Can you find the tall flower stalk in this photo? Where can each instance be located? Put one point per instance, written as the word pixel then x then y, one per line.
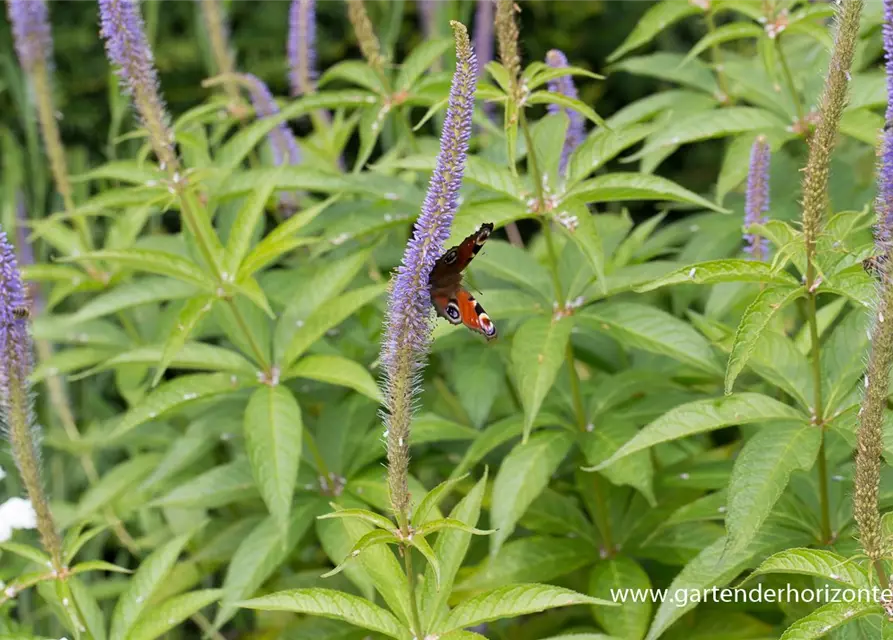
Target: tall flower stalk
pixel 509 54
pixel 407 332
pixel 815 203
pixel 366 38
pixel 302 47
pixel 16 407
pixel 407 339
pixel 756 201
pixel 128 48
pixel 218 34
pixel 483 33
pixel 576 131
pixel 34 49
pixel 871 416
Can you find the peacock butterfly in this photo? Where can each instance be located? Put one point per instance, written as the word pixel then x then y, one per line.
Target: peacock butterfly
pixel 453 301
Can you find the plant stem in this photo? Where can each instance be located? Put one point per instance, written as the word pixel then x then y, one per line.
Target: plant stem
pixel 601 516
pixel 716 58
pixel 321 467
pixel 818 402
pixel 789 80
pixel 411 583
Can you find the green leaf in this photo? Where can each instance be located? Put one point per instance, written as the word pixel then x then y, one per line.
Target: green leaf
pixel 451 547
pixel 326 316
pixel 645 327
pixel 630 620
pixel 529 559
pixel 419 542
pixel 450 523
pixel 726 270
pixel 666 66
pixel 524 473
pixel 553 97
pixel 273 436
pixel 282 239
pixel 723 34
pixel 618 187
pixel 97 565
pixel 336 370
pixel 261 553
pixel 513 601
pixel 372 539
pixel 163 617
pixel 818 623
pixel 706 415
pixel 190 315
pixel 145 582
pixel 761 473
pixel 115 482
pixel 375 519
pixel 656 19
pixel 586 236
pixel 191 355
pixel 357 72
pixel 433 498
pixel 820 563
pixel 247 219
pixel 219 486
pixel 843 358
pixel 607 436
pixel 133 294
pixel 27 552
pixel 419 60
pixel 602 146
pixel 174 394
pixel 754 322
pixel 332 604
pixel 717 123
pixel 158 262
pixel 538 351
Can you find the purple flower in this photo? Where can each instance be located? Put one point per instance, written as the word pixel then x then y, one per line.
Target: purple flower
pixel 483 33
pixel 15 341
pixel 428 12
pixel 282 140
pixel 31 31
pixel 302 46
pixel 121 26
pixel 565 86
pixel 757 197
pixel 884 201
pixel 407 332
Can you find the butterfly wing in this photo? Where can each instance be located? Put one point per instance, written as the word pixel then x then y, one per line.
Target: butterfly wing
pixel 447 272
pixel 472 314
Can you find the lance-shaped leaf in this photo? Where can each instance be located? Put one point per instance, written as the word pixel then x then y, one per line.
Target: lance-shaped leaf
pixel 375 519
pixel 433 498
pixel 706 415
pixel 242 231
pixel 332 604
pixel 619 187
pixel 753 323
pixel 760 475
pixel 337 370
pixel 830 616
pixel 273 436
pixel 726 270
pixel 658 17
pixel 163 617
pixel 513 601
pixel 419 542
pixel 538 351
pixel 820 563
pixel 152 261
pixel 371 539
pixel 450 523
pixel 190 315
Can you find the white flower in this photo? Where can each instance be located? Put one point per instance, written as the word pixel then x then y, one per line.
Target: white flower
pixel 5 531
pixel 2 473
pixel 17 513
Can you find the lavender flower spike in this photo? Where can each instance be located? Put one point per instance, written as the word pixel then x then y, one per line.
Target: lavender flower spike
pixel 128 49
pixel 31 32
pixel 302 46
pixel 757 198
pixel 407 332
pixel 483 33
pixel 16 410
pixel 884 201
pixel 564 85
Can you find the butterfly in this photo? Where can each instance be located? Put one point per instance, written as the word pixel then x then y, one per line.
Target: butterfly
pixel 450 299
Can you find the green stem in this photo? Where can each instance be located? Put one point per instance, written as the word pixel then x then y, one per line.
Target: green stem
pixel 881 572
pixel 603 522
pixel 789 80
pixel 716 58
pixel 321 467
pixel 262 359
pixel 818 401
pixel 411 583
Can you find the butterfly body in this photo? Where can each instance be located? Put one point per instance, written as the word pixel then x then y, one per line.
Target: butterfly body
pixel 450 299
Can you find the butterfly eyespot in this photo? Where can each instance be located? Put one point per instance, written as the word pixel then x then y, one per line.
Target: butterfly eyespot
pixel 450 256
pixel 452 310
